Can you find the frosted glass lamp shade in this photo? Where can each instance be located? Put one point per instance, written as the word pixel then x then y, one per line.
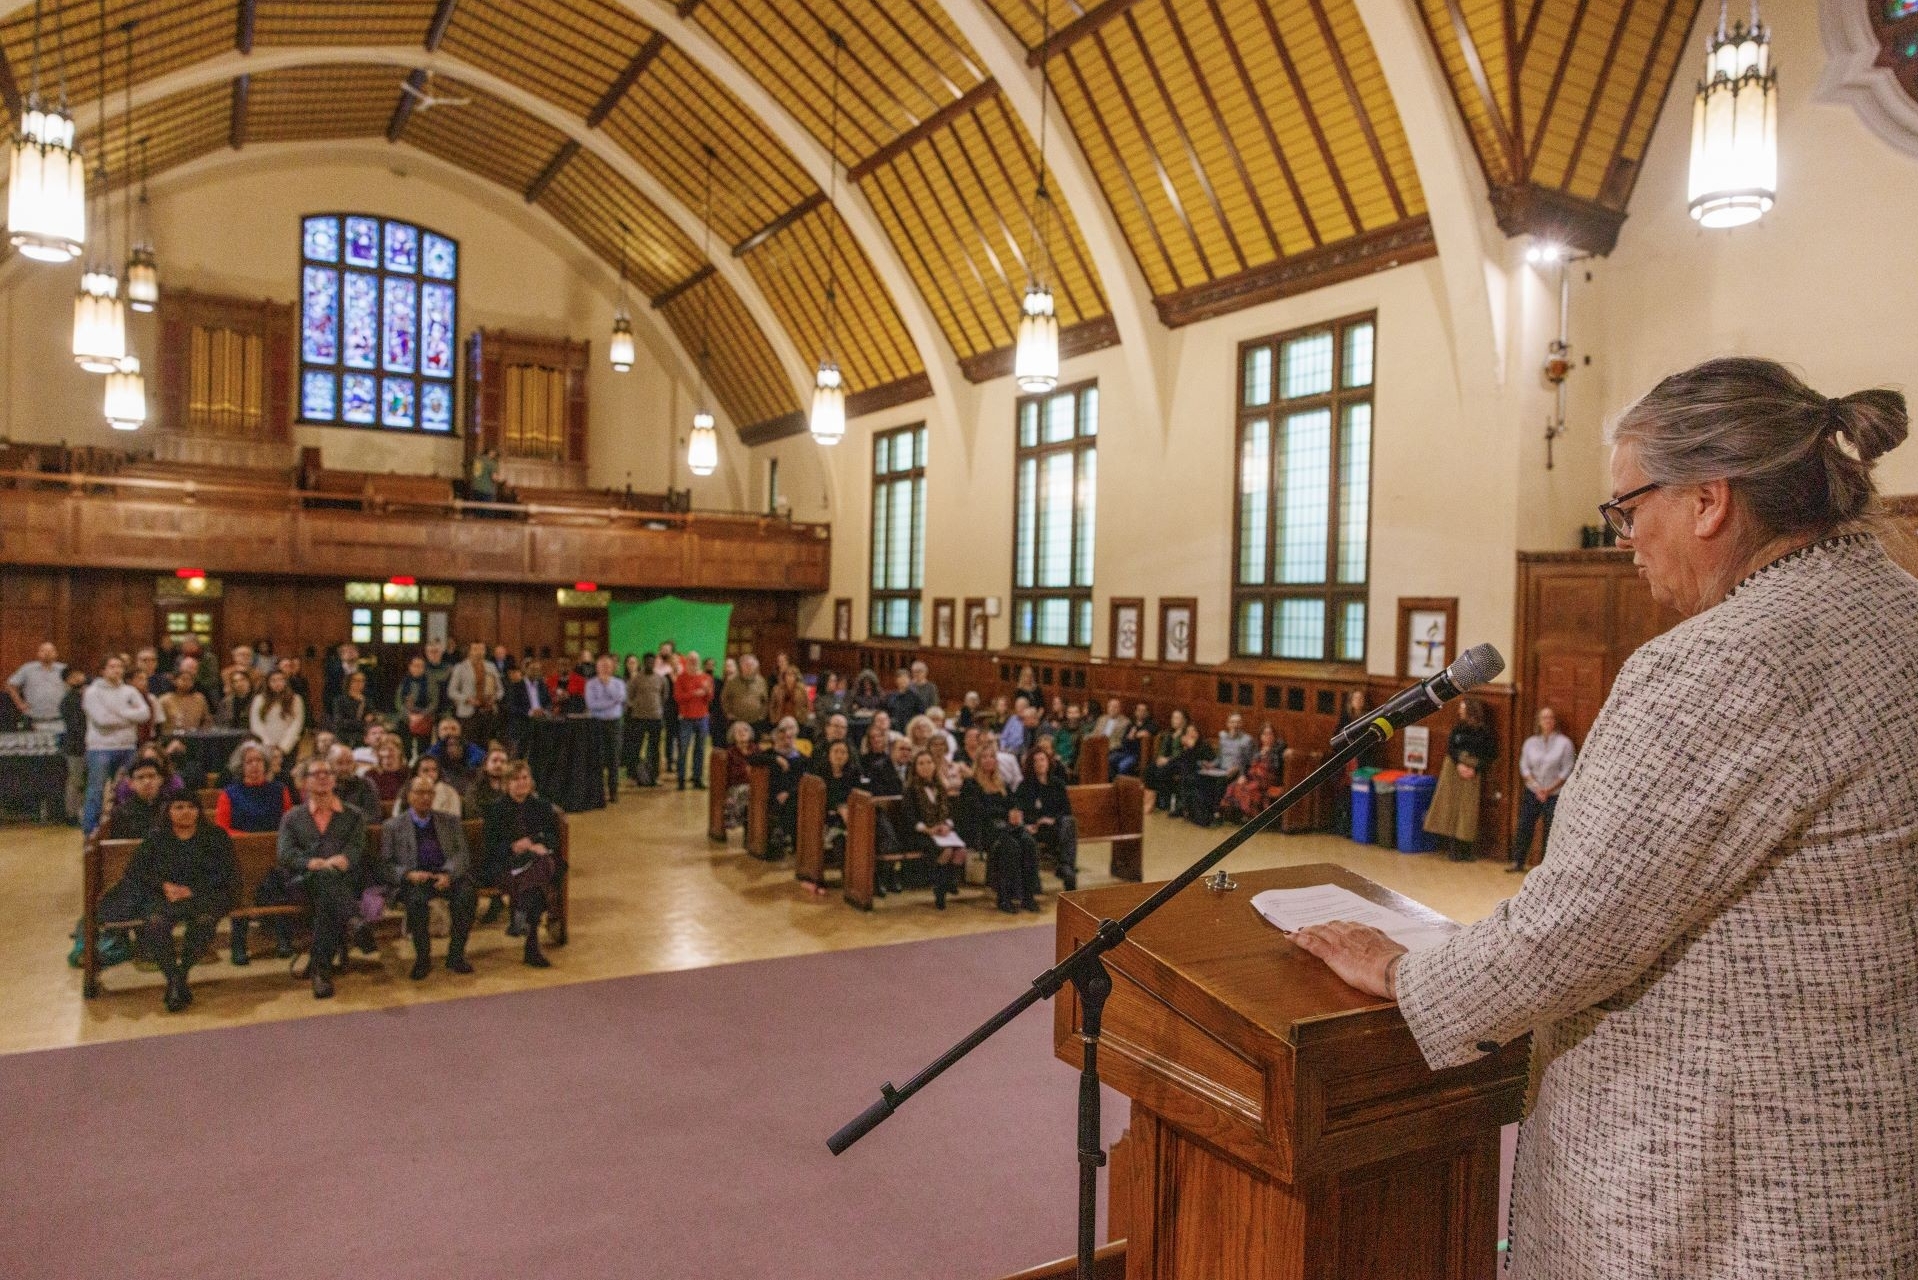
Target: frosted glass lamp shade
pixel 621 346
pixel 46 189
pixel 1035 361
pixel 702 448
pixel 99 323
pixel 1734 168
pixel 127 396
pixel 143 280
pixel 828 419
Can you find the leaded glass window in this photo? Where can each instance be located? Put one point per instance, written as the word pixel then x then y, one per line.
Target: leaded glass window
pixel 1304 493
pixel 1056 485
pixel 898 532
pixel 379 323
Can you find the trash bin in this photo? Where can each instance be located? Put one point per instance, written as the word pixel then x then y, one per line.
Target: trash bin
pixel 1362 804
pixel 1385 814
pixel 1414 798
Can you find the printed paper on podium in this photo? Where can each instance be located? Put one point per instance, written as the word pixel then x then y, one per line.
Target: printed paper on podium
pixel 1294 909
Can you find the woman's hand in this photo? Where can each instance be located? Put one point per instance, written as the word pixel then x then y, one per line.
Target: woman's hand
pixel 175 892
pixel 522 844
pixel 1358 953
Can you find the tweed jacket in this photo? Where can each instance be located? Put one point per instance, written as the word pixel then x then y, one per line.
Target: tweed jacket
pixel 1718 958
pixel 400 849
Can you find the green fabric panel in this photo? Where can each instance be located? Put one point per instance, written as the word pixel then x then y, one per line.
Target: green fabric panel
pixel 691 625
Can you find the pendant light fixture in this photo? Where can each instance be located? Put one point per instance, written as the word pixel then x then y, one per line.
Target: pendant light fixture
pixel 620 348
pixel 702 446
pixel 143 269
pixel 1734 172
pixel 126 400
pixel 1035 359
pixel 828 419
pixel 46 176
pixel 99 317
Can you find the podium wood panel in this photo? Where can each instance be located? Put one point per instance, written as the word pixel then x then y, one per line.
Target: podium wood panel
pixel 1284 1125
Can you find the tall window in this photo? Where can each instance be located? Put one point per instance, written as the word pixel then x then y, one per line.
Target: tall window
pixel 1056 466
pixel 898 531
pixel 1305 493
pixel 379 317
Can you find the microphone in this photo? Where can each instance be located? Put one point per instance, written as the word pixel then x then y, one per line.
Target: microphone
pixel 1472 668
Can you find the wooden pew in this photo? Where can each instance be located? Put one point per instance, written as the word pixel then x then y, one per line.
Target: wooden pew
pixel 809 845
pixel 1113 813
pixel 862 846
pixel 104 862
pixel 718 779
pixel 1095 758
pixel 1312 812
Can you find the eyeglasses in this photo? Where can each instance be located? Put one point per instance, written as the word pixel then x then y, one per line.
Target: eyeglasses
pixel 1615 514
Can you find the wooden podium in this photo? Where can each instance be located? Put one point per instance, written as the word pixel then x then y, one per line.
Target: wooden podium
pixel 1284 1125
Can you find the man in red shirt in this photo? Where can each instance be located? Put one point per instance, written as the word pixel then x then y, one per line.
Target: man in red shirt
pixel 693 694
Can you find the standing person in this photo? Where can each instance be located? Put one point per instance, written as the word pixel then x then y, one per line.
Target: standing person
pixel 183 708
pixel 606 707
pixel 922 686
pixel 527 699
pixel 423 853
pixel 1715 963
pixel 115 710
pixel 1544 763
pixel 37 687
pixel 743 696
pixel 349 709
pixel 1353 708
pixel 322 848
pixel 184 873
pixel 474 689
pixel 439 666
pixel 73 741
pixel 645 714
pixel 666 667
pixel 693 697
pixel 278 715
pixel 1469 750
pixel 236 706
pixel 788 699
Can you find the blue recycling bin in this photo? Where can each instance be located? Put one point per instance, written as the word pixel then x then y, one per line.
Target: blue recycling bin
pixel 1414 796
pixel 1362 804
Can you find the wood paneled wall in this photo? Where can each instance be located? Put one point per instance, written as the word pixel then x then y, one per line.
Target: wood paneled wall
pixel 1580 615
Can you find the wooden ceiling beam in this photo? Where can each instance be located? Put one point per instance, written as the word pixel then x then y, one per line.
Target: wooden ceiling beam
pixel 442 19
pixel 959 106
pixel 561 158
pixel 685 8
pixel 691 282
pixel 627 79
pixel 404 111
pixel 1348 259
pixel 1468 50
pixel 1078 29
pixel 236 124
pixel 246 24
pixel 779 224
pixel 1074 340
pixel 9 88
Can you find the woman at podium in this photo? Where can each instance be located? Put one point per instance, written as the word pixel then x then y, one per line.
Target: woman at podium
pixel 1718 962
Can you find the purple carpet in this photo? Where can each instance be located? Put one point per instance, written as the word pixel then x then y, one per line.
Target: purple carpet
pixel 666 1126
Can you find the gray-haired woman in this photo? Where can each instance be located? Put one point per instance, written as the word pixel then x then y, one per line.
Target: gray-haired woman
pixel 1716 962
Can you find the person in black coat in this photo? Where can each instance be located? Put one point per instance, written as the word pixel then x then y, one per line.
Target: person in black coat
pixel 349 708
pixel 842 777
pixel 520 854
pixel 786 767
pixel 184 873
pixel 1047 810
pixel 990 819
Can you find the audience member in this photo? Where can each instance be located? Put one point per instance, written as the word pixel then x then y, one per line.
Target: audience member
pixel 944 767
pixel 528 698
pixel 488 785
pixel 1012 736
pixel 1192 757
pixel 739 764
pixel 1047 809
pixel 645 721
pixel 37 687
pixel 937 715
pixel 606 706
pixel 337 670
pixel 1066 737
pixel 927 811
pixel 236 705
pixel 349 709
pixel 278 715
pixel 667 667
pixel 322 849
pixel 473 687
pixel 969 710
pixel 143 806
pixel 1470 748
pixel 786 766
pixel 1114 726
pixel 446 797
pixel 366 754
pixel 745 696
pixel 990 821
pixel 830 699
pixel 836 728
pixel 521 838
pixel 1264 777
pixel 416 702
pixel 1206 786
pixel 184 873
pixel 439 666
pixel 183 708
pixel 1159 777
pixel 115 711
pixel 692 695
pixel 170 781
pixel 457 757
pixel 73 740
pixel 891 774
pixel 876 749
pixel 922 686
pixel 423 853
pixel 1544 763
pixel 290 668
pixel 389 774
pixel 866 697
pixel 354 791
pixel 835 764
pixel 903 704
pixel 1027 688
pixel 789 699
pixel 1137 748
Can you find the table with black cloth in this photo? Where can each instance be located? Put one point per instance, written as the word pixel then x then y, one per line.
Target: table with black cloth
pixel 568 770
pixel 33 773
pixel 210 749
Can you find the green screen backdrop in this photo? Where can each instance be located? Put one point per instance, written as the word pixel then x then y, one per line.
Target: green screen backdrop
pixel 689 624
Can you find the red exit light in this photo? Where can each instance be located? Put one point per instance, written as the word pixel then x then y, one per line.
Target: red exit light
pixel 585 586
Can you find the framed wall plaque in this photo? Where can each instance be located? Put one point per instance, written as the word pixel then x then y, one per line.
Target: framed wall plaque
pixel 976 623
pixel 1126 637
pixel 1178 629
pixel 1427 627
pixel 842 618
pixel 942 633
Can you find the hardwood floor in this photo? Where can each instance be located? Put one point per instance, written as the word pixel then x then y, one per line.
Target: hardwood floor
pixel 649 894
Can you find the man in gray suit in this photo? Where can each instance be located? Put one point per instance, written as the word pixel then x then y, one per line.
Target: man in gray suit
pixel 424 852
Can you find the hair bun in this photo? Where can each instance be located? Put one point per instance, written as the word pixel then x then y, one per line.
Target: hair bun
pixel 1874 421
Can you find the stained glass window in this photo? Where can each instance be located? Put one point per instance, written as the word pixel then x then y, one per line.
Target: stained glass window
pixel 1056 484
pixel 379 323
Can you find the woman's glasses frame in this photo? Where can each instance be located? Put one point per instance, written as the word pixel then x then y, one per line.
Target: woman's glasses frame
pixel 1614 513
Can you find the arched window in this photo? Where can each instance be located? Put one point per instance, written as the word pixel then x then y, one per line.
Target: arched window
pixel 379 323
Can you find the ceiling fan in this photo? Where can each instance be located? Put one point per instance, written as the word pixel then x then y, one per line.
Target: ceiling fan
pixel 427 101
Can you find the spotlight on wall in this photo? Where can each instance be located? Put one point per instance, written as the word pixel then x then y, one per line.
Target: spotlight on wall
pixel 1545 254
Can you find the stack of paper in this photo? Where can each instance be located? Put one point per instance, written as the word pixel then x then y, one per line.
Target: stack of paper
pixel 1294 909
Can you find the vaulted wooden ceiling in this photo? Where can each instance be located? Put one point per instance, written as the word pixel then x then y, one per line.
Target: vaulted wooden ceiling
pixel 1246 149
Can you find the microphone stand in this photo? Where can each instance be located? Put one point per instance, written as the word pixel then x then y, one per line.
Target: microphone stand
pixel 1086 971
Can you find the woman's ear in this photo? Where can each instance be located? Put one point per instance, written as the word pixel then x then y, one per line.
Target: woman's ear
pixel 1711 508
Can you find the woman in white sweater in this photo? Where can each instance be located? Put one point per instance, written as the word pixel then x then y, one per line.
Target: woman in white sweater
pixel 279 715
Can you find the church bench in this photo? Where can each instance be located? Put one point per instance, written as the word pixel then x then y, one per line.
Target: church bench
pixel 759 783
pixel 104 862
pixel 809 843
pixel 1095 757
pixel 862 845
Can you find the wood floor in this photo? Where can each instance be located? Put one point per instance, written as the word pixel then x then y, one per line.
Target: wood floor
pixel 649 894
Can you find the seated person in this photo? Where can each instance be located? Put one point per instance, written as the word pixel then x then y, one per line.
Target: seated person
pixel 1066 737
pixel 937 715
pixel 1113 726
pixel 366 756
pixel 458 758
pixel 521 856
pixel 1042 800
pixel 926 812
pixel 944 767
pixel 321 853
pixel 835 729
pixel 423 853
pixel 786 766
pixel 1136 747
pixel 144 807
pixel 171 784
pixel 990 820
pixel 389 774
pixel 255 801
pixel 1157 765
pixel 352 788
pixel 1262 780
pixel 842 776
pixel 971 711
pixel 1206 787
pixel 876 749
pixel 488 785
pixel 830 701
pixel 445 798
pixel 1191 756
pixel 892 772
pixel 902 704
pixel 184 767
pixel 740 750
pixel 183 873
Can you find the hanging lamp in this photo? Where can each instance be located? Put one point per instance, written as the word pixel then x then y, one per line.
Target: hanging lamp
pixel 1035 358
pixel 46 176
pixel 702 446
pixel 827 421
pixel 99 316
pixel 1734 170
pixel 620 347
pixel 143 268
pixel 126 398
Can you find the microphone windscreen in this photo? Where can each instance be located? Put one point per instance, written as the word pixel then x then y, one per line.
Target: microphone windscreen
pixel 1475 666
